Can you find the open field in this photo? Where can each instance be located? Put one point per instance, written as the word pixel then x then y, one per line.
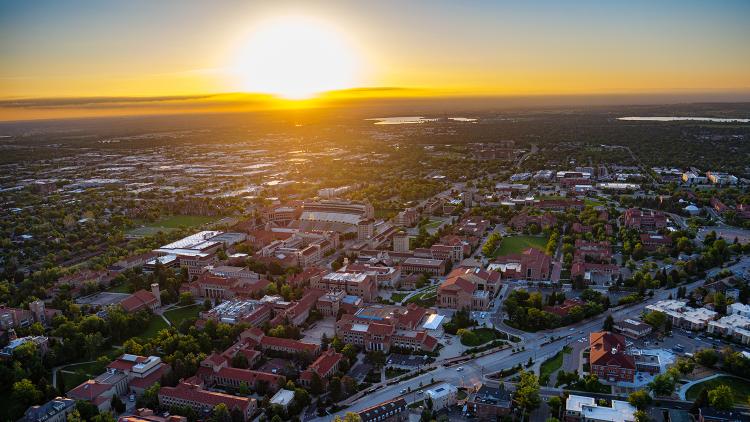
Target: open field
pixel 176 316
pixel 740 388
pixel 170 223
pixel 517 244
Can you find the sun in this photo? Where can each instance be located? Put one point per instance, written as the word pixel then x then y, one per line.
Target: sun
pixel 295 58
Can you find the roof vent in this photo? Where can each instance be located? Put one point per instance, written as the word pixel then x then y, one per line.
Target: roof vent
pixel 614 350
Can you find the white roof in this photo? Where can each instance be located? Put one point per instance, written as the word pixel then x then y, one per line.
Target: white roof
pixel 283 397
pixel 433 322
pixel 440 390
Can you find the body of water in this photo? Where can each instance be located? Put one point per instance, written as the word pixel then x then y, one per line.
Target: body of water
pixel 677 119
pixel 409 120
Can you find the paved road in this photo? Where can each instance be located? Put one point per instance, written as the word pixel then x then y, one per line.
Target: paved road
pixel 473 372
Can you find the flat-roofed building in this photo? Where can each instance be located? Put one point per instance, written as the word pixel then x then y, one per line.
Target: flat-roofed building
pixel 358 284
pixel 586 409
pixel 55 410
pixel 435 267
pixel 683 316
pixel 632 328
pixel 442 395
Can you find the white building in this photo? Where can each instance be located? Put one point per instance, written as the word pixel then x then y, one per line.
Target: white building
pixel 683 316
pixel 585 409
pixel 442 395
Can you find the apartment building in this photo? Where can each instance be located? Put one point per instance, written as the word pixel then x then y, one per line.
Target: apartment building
pixel 683 316
pixel 434 267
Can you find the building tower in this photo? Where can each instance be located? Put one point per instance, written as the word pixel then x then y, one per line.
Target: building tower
pixel 37 308
pixel 155 291
pixel 401 242
pixel 365 230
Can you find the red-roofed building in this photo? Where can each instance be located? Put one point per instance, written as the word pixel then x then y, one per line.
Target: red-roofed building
pixel 141 300
pixel 286 345
pixel 531 264
pixel 381 334
pixel 652 242
pixel 325 366
pixel 215 370
pixel 646 220
pixel 306 276
pixel 608 358
pixel 299 311
pixel 148 415
pixel 212 286
pixel 563 309
pixel 200 400
pixel 523 220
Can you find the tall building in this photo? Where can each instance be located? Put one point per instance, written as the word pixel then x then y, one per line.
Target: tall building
pixel 401 242
pixel 365 230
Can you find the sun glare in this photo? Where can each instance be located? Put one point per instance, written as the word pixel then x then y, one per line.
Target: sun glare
pixel 295 58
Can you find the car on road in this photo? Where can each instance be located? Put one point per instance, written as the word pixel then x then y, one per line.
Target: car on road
pixel 459 369
pixel 403 391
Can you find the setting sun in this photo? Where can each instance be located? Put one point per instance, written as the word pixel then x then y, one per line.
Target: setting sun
pixel 295 58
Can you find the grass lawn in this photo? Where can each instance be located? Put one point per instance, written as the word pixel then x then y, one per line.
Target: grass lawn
pixel 172 223
pixel 517 244
pixel 426 298
pixel 122 288
pixel 433 224
pixel 176 316
pixel 551 365
pixel 394 372
pixel 483 335
pixel 740 388
pixel 592 202
pixel 154 326
pixel 398 297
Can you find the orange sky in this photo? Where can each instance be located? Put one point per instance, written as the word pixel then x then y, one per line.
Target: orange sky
pixel 296 49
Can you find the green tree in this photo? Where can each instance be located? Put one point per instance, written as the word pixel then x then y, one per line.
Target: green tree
pixel 609 323
pixel 117 404
pixel 25 393
pixel 721 398
pixel 348 417
pixel 662 384
pixel 555 406
pixel 221 413
pixel 707 357
pixel 527 392
pixel 685 366
pixel 640 399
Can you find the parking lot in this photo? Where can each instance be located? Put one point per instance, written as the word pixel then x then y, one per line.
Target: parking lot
pixel 102 299
pixel 326 325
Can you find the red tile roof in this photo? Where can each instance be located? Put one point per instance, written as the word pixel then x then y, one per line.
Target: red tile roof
pixel 137 301
pixel 187 392
pixel 608 349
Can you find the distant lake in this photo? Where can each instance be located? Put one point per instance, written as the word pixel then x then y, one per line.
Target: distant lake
pixel 409 120
pixel 676 119
pixel 405 120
